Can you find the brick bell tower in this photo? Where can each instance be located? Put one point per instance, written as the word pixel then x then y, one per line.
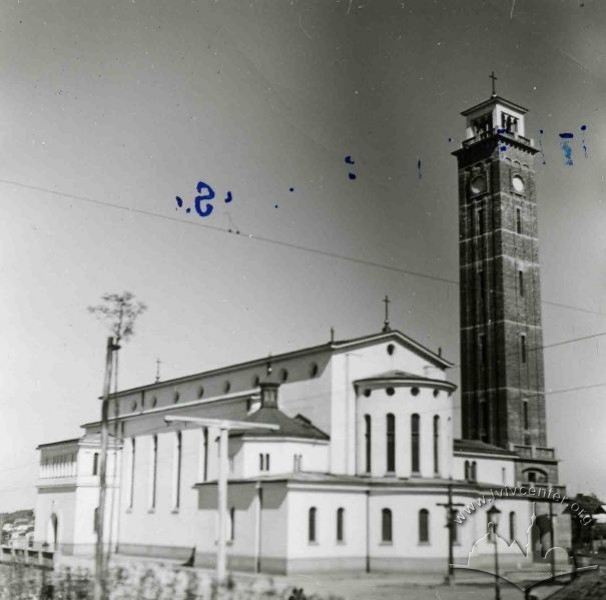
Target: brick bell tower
pixel 502 378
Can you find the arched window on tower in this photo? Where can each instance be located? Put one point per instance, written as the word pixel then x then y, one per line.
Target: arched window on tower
pixel 415 422
pixel 367 443
pixel 391 442
pixel 467 471
pixel 436 445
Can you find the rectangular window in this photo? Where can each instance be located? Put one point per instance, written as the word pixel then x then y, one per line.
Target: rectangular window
pixel 518 220
pixel 177 471
pixel 521 282
pixel 261 462
pixel 367 442
pixel 525 414
pixel 523 347
pixel 205 454
pixel 415 443
pixel 153 472
pixel 391 443
pixel 133 456
pixel 267 462
pixel 481 229
pixel 96 463
pixel 483 350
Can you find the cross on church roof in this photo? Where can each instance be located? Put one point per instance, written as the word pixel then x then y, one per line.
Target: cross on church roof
pixel 494 87
pixel 386 326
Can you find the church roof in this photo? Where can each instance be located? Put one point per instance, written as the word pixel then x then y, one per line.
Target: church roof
pixel 333 346
pixel 299 427
pixel 478 447
pixel 397 375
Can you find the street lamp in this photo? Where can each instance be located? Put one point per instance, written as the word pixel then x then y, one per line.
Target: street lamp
pixel 224 426
pixel 493 518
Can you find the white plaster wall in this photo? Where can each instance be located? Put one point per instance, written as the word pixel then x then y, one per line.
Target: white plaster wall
pixel 165 525
pixel 281 452
pixel 403 405
pixel 488 470
pixel 347 367
pixel 327 503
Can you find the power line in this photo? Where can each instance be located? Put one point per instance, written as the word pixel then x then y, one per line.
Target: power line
pixel 268 240
pixel 553 345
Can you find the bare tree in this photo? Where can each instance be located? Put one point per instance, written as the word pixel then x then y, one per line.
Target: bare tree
pixel 119 312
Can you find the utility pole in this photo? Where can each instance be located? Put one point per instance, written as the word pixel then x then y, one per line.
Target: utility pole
pixel 450 524
pixel 100 574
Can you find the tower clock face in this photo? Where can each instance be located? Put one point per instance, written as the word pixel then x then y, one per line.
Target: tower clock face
pixel 518 184
pixel 478 184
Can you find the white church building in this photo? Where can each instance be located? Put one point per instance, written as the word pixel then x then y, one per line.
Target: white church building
pixel 363 464
pixel 354 478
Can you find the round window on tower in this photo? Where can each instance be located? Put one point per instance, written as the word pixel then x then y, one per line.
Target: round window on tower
pixel 518 184
pixel 478 184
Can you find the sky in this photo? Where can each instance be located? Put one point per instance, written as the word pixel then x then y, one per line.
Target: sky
pixel 111 110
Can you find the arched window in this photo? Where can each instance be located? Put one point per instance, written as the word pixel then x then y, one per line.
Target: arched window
pixel 436 444
pixel 473 475
pixel 423 526
pixel 232 524
pixel 391 442
pixel 467 472
pixel 415 422
pixel 386 526
pixel 311 524
pixel 512 526
pixel 340 524
pixel 367 442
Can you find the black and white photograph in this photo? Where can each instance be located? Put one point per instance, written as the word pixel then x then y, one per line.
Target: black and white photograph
pixel 303 300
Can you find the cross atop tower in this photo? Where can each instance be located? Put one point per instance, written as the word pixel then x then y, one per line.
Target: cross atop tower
pixel 158 363
pixel 494 87
pixel 386 326
pixel 269 367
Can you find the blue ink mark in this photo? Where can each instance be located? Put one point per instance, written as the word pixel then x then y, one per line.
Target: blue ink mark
pixel 350 161
pixel 449 140
pixel 541 146
pixel 179 202
pixel 188 210
pixel 290 190
pixel 583 145
pixel 502 148
pixel 228 198
pixel 210 194
pixel 276 206
pixel 419 168
pixel 566 148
